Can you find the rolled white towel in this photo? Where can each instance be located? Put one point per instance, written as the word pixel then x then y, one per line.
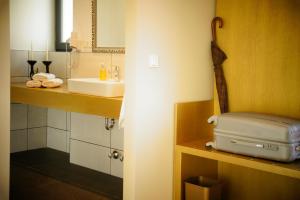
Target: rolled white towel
pixel 56 82
pixel 33 84
pixel 43 76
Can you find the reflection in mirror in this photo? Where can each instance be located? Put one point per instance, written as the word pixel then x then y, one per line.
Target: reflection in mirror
pixel 108 26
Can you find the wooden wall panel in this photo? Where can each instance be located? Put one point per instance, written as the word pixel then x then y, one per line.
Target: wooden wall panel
pixel 248 184
pixel 261 40
pixel 191 121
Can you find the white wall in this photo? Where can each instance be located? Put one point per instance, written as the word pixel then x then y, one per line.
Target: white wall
pixel 178 32
pixel 32 20
pixel 4 100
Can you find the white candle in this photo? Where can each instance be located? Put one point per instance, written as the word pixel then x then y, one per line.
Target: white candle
pixel 47 51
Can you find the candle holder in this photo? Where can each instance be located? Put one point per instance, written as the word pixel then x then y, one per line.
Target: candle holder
pixel 47 64
pixel 31 63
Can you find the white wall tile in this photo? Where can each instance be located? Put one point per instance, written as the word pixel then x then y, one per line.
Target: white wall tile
pixel 20 79
pixel 90 156
pixel 117 137
pixel 68 121
pixel 37 116
pixel 59 63
pixel 57 139
pixel 18 140
pixel 20 67
pixel 18 116
pixel 68 141
pixel 117 165
pixel 88 64
pixel 119 60
pixel 18 61
pixel 89 128
pixel 39 56
pixel 37 138
pixel 69 65
pixel 57 119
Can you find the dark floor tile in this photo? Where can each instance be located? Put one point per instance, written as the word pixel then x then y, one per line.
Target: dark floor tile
pixel 26 184
pixel 55 164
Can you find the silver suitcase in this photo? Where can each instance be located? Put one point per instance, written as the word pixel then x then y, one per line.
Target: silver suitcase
pixel 257 135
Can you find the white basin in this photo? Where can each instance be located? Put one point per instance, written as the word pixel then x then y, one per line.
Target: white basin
pixel 94 86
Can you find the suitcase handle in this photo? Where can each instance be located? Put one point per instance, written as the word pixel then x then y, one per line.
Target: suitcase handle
pixel 249 144
pixel 213 120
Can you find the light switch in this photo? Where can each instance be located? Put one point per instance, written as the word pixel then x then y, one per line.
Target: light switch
pixel 153 61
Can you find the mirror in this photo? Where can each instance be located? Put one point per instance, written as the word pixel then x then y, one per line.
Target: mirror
pixel 108 26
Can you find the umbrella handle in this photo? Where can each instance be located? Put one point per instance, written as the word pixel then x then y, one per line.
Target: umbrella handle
pixel 213 26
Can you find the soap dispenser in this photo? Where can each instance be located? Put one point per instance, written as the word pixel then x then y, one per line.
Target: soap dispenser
pixel 116 73
pixel 102 72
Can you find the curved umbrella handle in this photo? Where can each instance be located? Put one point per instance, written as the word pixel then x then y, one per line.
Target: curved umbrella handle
pixel 213 26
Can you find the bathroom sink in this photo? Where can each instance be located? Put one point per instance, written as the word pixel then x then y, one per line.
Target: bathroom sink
pixel 94 86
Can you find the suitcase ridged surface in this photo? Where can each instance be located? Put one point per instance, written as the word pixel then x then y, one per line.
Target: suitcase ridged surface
pixel 258 135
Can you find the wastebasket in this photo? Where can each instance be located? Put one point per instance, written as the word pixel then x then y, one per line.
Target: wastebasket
pixel 202 188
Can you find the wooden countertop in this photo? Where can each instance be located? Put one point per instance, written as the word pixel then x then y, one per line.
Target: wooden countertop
pixel 61 98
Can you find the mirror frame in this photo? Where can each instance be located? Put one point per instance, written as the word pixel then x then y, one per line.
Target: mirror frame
pixel 117 50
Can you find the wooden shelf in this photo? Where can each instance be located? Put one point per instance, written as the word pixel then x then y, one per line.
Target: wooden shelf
pixel 61 98
pixel 197 148
pixel 243 177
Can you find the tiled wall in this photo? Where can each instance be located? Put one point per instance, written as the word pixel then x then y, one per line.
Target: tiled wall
pixel 60 65
pixel 84 136
pixel 58 130
pixel 88 64
pixel 26 120
pixel 64 64
pixel 91 144
pixel 28 127
pixel 33 127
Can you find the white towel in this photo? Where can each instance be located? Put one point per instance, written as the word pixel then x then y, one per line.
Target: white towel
pixel 43 76
pixel 122 114
pixel 56 82
pixel 33 84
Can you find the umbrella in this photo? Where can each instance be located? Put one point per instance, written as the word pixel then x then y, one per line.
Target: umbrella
pixel 218 57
